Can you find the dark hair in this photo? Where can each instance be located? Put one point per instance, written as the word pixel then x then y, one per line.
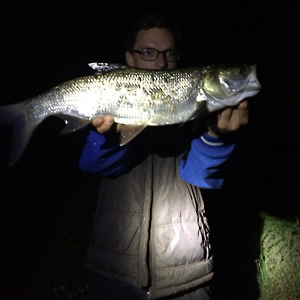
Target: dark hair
pixel 151 20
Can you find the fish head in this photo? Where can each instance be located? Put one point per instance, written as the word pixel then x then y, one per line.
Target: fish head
pixel 229 85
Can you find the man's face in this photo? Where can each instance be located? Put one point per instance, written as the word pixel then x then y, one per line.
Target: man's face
pixel 155 38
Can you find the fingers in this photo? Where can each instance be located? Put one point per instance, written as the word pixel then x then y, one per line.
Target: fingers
pixel 103 124
pixel 224 118
pixel 232 119
pixel 229 119
pixel 243 109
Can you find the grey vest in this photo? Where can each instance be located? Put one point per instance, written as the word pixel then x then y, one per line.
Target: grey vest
pixel 151 230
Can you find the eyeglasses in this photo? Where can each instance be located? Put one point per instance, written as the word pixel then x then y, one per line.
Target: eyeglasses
pixel 152 54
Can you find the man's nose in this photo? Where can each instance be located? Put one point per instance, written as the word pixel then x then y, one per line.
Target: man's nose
pixel 161 61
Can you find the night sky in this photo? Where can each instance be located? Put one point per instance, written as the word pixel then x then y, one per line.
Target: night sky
pixel 44 43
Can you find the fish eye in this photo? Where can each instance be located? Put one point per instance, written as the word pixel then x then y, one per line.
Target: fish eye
pixel 241 70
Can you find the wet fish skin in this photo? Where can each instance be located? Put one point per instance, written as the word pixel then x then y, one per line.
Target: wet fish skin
pixel 134 97
pixel 131 96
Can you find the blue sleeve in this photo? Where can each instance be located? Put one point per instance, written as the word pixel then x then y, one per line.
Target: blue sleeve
pixel 202 164
pixel 102 154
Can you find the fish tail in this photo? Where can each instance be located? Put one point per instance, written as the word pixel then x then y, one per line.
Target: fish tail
pixel 13 115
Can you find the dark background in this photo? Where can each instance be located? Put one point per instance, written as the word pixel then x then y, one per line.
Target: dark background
pixel 44 43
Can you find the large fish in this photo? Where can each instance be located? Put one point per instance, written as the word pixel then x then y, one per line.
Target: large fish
pixel 134 97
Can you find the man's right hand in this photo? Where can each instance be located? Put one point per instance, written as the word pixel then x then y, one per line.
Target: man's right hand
pixel 105 124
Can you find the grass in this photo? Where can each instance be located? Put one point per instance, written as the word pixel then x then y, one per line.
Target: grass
pixel 279 262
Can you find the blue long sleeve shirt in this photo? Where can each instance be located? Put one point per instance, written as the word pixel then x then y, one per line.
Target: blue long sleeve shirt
pixel 200 165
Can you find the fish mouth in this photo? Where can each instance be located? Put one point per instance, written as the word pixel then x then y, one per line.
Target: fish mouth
pixel 253 82
pixel 254 85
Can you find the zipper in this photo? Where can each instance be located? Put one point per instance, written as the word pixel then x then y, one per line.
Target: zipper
pixel 146 227
pixel 151 292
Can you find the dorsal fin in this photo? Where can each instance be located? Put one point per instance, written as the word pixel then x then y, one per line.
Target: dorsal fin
pixel 105 67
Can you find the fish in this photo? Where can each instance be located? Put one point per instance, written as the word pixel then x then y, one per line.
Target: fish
pixel 136 98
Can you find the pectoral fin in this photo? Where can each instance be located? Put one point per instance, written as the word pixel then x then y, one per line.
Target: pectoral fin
pixel 129 132
pixel 198 113
pixel 72 123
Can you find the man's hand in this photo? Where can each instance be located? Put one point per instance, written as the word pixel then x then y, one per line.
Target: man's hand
pixel 229 119
pixel 105 124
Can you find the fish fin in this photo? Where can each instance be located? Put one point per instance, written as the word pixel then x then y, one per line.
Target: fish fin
pixel 201 111
pixel 72 123
pixel 13 115
pixel 9 113
pixel 105 67
pixel 129 132
pixel 21 135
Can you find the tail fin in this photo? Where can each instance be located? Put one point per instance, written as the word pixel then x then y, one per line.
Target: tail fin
pixel 13 115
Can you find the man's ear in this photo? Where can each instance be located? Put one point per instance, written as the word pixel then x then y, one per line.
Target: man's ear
pixel 129 59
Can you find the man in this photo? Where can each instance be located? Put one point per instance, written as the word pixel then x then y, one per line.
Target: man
pixel 151 237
